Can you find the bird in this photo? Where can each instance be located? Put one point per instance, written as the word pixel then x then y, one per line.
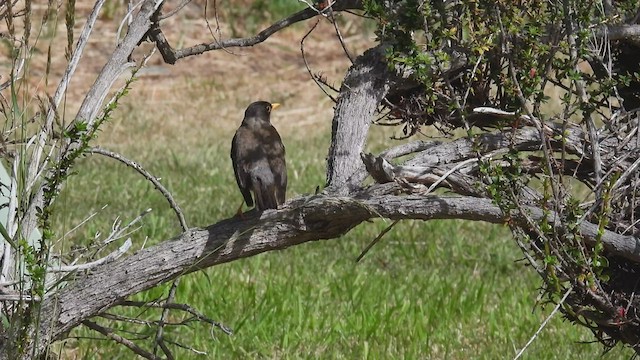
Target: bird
pixel 258 158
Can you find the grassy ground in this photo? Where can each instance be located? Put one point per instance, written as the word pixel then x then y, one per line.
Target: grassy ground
pixel 441 289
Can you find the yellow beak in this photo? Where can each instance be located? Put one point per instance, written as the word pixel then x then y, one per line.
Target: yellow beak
pixel 275 106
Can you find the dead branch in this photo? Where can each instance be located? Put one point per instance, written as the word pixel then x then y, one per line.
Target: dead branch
pixel 344 204
pixel 306 63
pixel 311 218
pixel 367 82
pixel 112 256
pixel 159 338
pixel 182 307
pixel 110 334
pixel 171 55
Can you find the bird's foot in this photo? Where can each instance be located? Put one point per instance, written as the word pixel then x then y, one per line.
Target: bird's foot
pixel 239 213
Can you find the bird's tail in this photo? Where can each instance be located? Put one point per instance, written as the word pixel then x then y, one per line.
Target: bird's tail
pixel 264 190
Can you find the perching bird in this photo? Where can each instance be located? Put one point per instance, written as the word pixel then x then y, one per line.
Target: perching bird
pixel 257 154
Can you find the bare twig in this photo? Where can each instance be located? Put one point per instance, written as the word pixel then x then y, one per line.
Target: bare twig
pixel 458 166
pixel 117 231
pixel 159 339
pixel 110 334
pixel 172 203
pixel 195 351
pixel 584 100
pixel 80 224
pixel 182 307
pixel 375 241
pixel 340 38
pixel 115 317
pixel 170 55
pixel 206 20
pixel 544 323
pixel 174 11
pixel 306 63
pixel 166 350
pixel 112 256
pixel 126 20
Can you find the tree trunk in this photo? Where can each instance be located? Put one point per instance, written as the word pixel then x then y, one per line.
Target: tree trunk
pixel 365 85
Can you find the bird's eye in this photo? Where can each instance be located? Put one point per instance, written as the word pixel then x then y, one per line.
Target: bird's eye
pixel 268 109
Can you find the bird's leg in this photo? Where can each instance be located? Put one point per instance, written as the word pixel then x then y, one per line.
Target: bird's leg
pixel 239 212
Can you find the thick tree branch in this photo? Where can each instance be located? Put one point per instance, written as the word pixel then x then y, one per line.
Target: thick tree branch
pixel 367 82
pixel 624 32
pixel 117 63
pixel 304 219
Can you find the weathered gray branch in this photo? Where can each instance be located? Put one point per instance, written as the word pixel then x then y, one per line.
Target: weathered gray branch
pixel 92 103
pixel 367 82
pixel 304 219
pixel 117 63
pixel 624 32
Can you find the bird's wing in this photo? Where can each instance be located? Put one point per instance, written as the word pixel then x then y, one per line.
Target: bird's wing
pixel 241 146
pixel 277 163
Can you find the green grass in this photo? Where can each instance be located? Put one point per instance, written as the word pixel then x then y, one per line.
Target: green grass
pixel 439 289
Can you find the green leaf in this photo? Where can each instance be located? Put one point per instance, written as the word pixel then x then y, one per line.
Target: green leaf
pixel 6 236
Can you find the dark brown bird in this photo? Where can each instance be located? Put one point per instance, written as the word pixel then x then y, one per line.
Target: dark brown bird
pixel 257 154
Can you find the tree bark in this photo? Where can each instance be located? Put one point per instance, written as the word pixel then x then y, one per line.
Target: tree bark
pixel 367 82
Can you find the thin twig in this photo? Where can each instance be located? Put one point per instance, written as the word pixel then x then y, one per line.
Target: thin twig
pixel 118 232
pixel 166 350
pixel 584 99
pixel 80 224
pixel 182 307
pixel 199 352
pixel 375 241
pixel 340 38
pixel 174 11
pixel 215 16
pixel 110 334
pixel 115 317
pixel 460 165
pixel 624 177
pixel 161 322
pixel 306 64
pixel 126 19
pixel 544 323
pixel 148 176
pixel 112 256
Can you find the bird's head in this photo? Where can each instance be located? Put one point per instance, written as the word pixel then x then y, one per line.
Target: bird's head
pixel 260 109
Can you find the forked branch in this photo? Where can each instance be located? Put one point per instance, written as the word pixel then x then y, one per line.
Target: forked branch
pixel 171 55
